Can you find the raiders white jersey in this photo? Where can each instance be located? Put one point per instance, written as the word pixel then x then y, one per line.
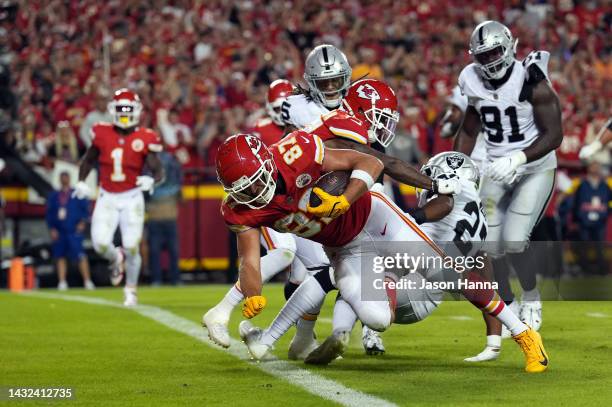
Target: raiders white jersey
pixel 463 231
pixel 299 111
pixel 458 99
pixel 507 120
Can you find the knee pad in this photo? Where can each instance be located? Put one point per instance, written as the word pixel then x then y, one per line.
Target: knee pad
pixel 131 251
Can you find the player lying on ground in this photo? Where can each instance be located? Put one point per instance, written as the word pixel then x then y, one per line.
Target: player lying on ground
pixel 121 150
pixel 514 103
pixel 344 224
pixel 283 249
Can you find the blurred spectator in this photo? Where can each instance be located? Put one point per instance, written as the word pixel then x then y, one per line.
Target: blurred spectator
pixel 162 211
pixel 591 206
pixel 67 219
pixel 65 144
pixel 99 114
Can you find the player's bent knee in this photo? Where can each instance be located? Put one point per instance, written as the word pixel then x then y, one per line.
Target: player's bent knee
pixel 374 317
pixel 514 247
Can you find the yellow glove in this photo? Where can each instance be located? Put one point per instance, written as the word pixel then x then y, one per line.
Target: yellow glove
pixel 253 306
pixel 331 206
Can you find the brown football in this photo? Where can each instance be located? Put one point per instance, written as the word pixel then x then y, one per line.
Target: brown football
pixel 333 183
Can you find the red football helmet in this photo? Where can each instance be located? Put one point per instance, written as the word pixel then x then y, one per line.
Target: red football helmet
pixel 374 101
pixel 279 90
pixel 125 108
pixel 246 169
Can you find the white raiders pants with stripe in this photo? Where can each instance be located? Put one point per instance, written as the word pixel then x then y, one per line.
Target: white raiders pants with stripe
pixel 514 210
pixel 386 223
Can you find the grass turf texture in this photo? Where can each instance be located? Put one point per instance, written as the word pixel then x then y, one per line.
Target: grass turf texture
pixel 114 356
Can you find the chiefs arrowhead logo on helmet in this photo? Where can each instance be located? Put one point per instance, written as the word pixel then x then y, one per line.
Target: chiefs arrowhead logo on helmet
pixel 367 91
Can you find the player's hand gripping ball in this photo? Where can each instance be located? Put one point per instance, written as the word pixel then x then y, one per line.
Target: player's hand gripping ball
pixel 327 199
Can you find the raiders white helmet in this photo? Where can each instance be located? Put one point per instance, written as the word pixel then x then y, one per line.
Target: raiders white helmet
pixel 493 49
pixel 451 164
pixel 328 75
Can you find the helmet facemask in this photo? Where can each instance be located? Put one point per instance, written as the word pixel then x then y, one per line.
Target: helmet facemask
pixel 125 113
pixel 274 111
pixel 493 63
pixel 383 123
pixel 331 90
pixel 257 190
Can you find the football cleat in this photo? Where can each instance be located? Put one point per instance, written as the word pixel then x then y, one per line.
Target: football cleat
pixel 118 268
pixel 536 358
pixel 488 354
pixel 216 325
pixel 531 314
pixel 251 336
pixel 515 308
pixel 130 299
pixel 372 342
pixel 332 348
pixel 301 346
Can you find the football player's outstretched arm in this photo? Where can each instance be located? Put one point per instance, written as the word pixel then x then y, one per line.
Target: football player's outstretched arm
pixel 393 167
pixel 547 117
pixel 359 163
pixel 88 162
pixel 250 272
pixel 468 132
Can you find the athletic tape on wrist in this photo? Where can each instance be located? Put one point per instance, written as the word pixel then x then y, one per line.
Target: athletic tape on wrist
pixel 364 176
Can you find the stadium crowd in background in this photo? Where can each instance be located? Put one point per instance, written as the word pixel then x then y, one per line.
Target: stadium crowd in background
pixel 202 68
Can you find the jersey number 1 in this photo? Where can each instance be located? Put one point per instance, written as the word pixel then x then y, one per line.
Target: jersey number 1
pixel 117 157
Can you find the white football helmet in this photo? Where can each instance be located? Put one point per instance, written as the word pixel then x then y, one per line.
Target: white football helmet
pixel 493 49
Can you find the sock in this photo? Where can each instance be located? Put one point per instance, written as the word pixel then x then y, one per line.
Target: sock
pixel 231 299
pixel 305 325
pixel 531 295
pixel 307 299
pixel 489 301
pixel 494 341
pixel 391 294
pixel 344 317
pixel 274 262
pixel 133 261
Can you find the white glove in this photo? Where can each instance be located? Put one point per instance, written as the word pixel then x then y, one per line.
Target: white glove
pixel 504 169
pixel 446 186
pixel 81 190
pixel 590 150
pixel 145 182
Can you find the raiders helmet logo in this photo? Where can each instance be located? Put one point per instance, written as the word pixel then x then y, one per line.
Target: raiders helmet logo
pixel 454 161
pixel 302 180
pixel 137 145
pixel 367 91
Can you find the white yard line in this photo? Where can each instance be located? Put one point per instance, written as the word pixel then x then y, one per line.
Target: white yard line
pixel 596 315
pixel 460 317
pixel 305 379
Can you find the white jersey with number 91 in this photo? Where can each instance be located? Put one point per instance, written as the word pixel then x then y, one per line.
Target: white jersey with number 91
pixel 505 113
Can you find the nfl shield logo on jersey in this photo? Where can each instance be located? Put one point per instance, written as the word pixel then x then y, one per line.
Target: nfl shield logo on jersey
pixel 303 180
pixel 137 145
pixel 454 161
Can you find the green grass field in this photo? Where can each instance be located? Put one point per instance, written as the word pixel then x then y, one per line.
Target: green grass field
pixel 117 357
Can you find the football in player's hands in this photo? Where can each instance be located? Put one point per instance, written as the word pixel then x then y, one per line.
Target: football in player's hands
pixel 334 183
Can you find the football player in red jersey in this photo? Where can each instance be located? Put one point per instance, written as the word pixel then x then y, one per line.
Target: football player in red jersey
pixel 283 250
pixel 272 128
pixel 121 150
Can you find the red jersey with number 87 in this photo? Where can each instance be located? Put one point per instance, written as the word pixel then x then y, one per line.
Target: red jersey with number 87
pixel 122 157
pixel 299 158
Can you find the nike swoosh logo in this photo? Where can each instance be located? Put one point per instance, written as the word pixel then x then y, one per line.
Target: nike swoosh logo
pixel 384 230
pixel 545 361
